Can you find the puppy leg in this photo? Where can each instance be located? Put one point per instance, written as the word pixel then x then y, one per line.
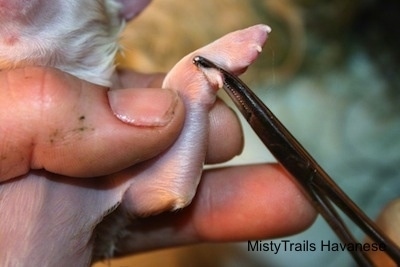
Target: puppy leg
pixel 169 182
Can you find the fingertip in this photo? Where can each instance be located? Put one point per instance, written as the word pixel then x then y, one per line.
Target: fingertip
pixel 148 107
pixel 131 79
pixel 226 138
pixel 250 202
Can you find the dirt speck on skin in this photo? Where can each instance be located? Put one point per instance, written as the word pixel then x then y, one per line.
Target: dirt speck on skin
pixel 58 135
pixel 82 128
pixel 55 134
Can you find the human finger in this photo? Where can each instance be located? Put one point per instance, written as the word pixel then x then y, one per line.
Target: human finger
pixel 232 204
pixel 225 133
pixel 51 120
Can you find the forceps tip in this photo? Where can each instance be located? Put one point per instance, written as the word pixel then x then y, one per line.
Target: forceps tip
pixel 202 62
pixel 214 74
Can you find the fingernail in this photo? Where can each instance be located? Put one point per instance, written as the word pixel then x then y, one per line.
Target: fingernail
pixel 143 107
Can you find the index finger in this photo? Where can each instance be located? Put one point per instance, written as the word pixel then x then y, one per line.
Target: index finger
pixel 232 204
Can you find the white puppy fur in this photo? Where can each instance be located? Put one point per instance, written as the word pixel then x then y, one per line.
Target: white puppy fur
pixel 68 35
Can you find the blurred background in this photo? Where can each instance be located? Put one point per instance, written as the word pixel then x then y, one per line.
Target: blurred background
pixel 329 71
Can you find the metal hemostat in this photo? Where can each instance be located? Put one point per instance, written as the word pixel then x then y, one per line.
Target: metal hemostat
pixel 322 191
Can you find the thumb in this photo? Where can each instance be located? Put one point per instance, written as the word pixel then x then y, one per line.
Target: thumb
pixel 51 120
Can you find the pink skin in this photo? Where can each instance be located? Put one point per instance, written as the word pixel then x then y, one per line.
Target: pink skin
pixel 54 221
pixel 169 181
pixel 156 189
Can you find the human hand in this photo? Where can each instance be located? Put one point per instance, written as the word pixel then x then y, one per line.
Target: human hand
pixel 55 127
pixel 46 143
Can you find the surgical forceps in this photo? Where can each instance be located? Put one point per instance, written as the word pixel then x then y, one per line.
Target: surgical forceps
pixel 321 190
